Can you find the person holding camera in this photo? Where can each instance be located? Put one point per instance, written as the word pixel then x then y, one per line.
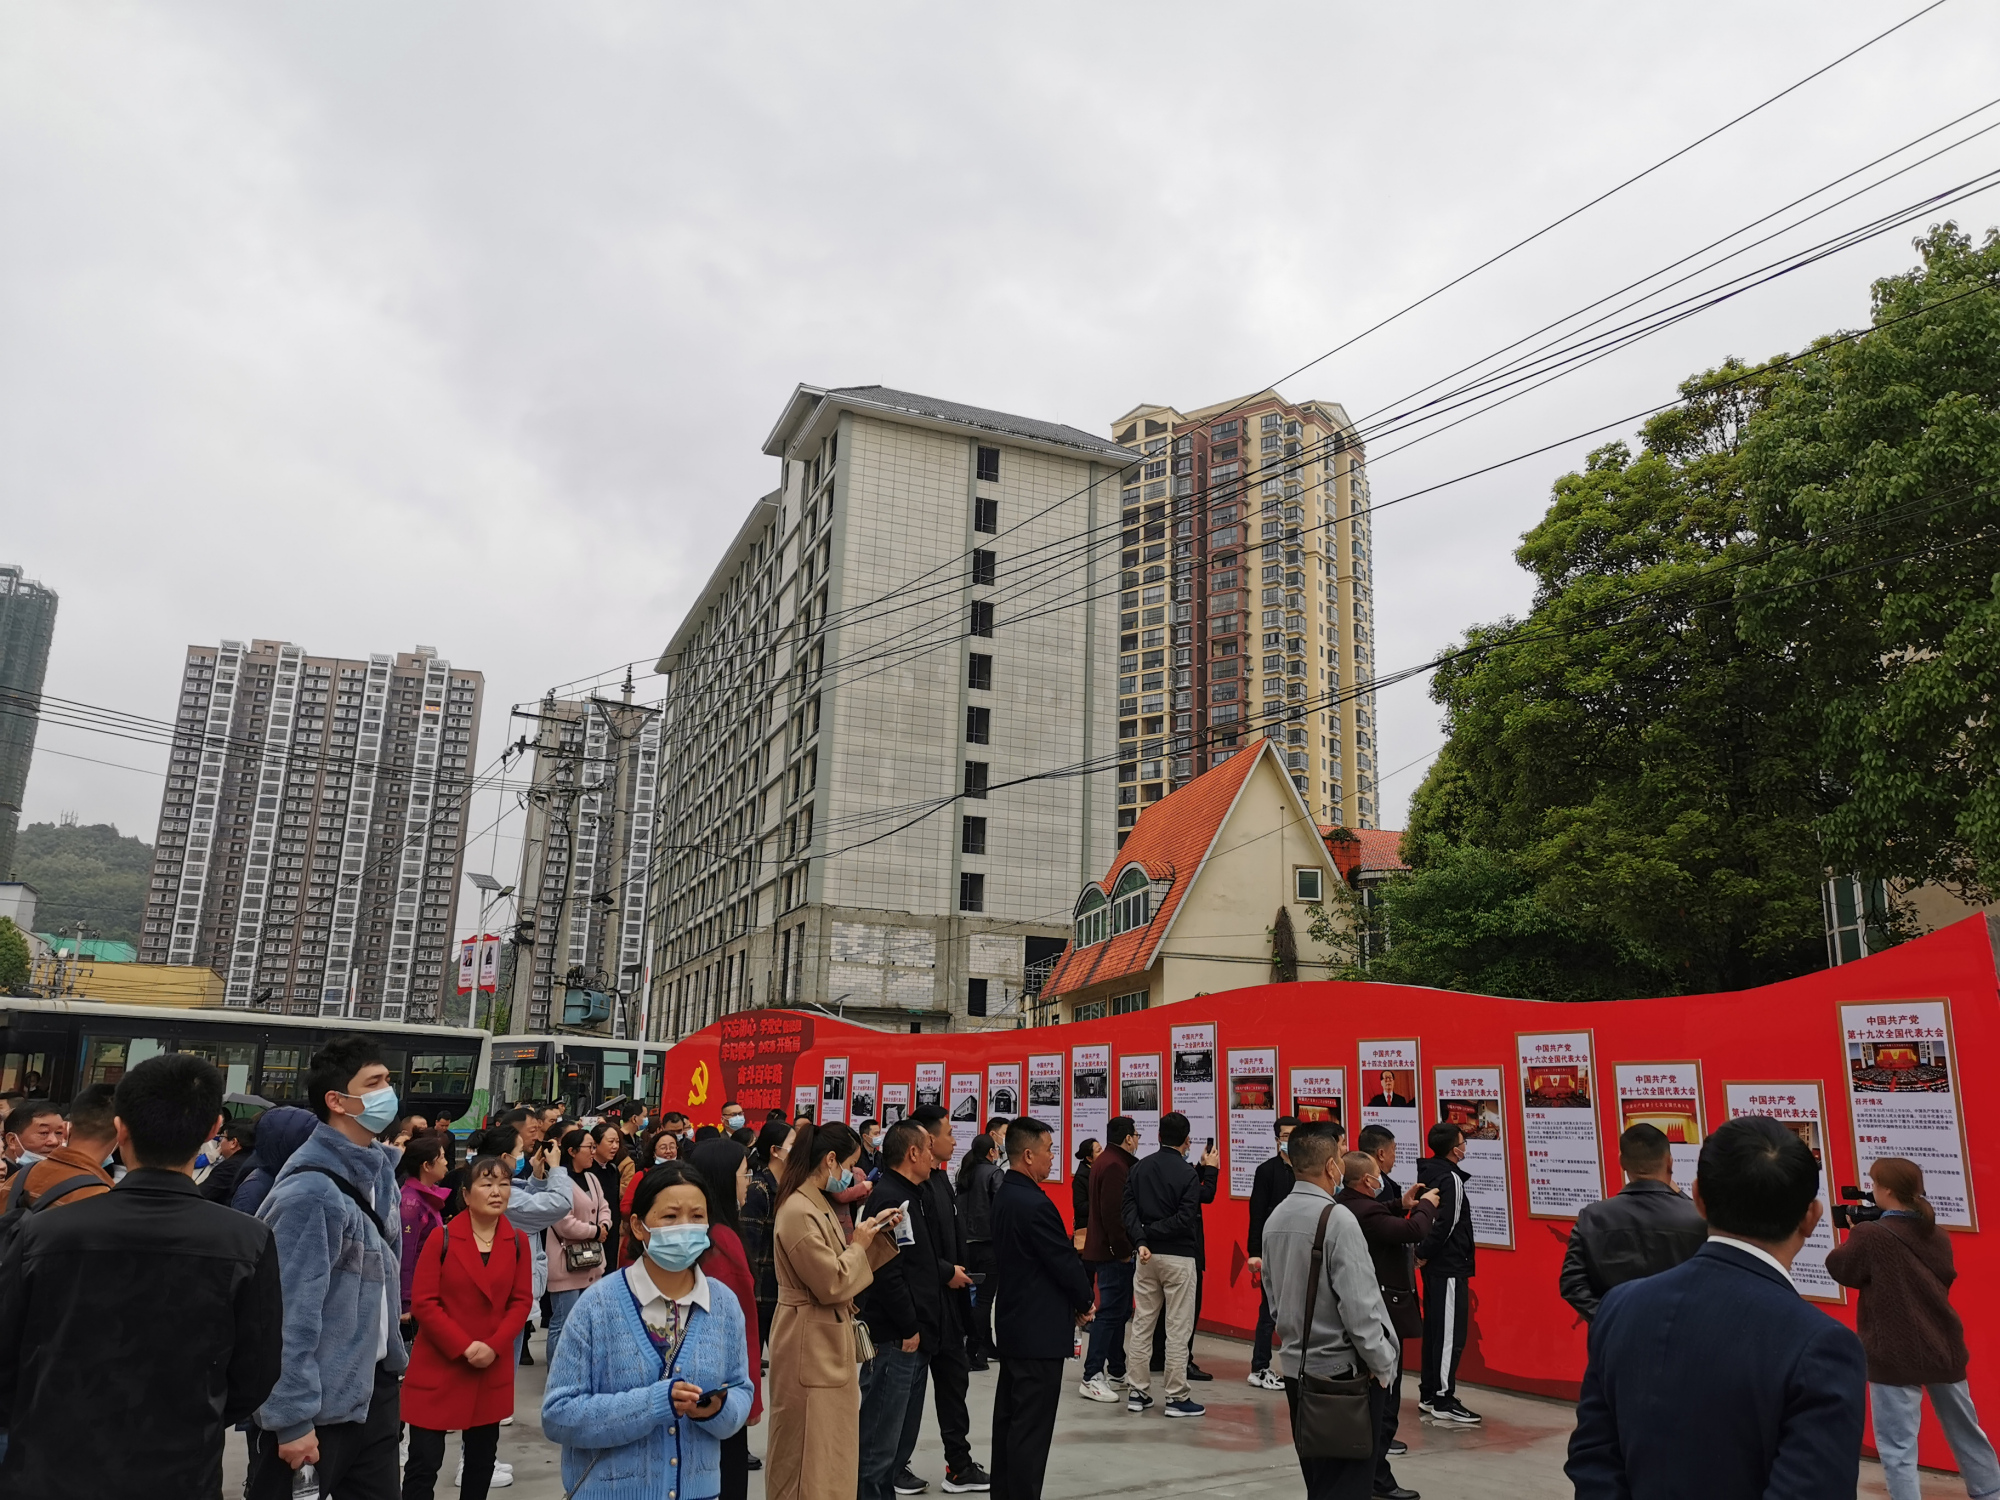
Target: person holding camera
pixel 1914 1341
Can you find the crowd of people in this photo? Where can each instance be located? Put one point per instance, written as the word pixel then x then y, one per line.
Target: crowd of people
pixel 347 1285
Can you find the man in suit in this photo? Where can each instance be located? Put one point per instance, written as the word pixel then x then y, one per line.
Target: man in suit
pixel 1714 1378
pixel 1386 1097
pixel 904 1309
pixel 1043 1296
pixel 1271 1185
pixel 950 1370
pixel 1646 1229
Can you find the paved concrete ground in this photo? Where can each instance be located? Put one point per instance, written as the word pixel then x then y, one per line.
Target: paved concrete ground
pixel 1240 1451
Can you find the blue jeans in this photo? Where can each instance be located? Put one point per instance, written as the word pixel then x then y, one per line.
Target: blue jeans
pixel 1899 1408
pixel 559 1305
pixel 1106 1352
pixel 890 1383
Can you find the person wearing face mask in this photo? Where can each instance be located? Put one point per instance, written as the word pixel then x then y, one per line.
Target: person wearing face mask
pixel 587 1228
pixel 1271 1186
pixel 724 1167
pixel 814 1451
pixel 33 1131
pixel 760 1204
pixel 732 1118
pixel 422 1171
pixel 652 1376
pixel 1392 1230
pixel 333 1214
pixel 471 1298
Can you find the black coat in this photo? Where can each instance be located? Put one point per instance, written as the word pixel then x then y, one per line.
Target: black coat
pixel 1039 1284
pixel 1163 1198
pixel 1447 1250
pixel 947 1244
pixel 1079 1196
pixel 1646 1229
pixel 906 1296
pixel 226 1176
pixel 1271 1186
pixel 1716 1379
pixel 148 1302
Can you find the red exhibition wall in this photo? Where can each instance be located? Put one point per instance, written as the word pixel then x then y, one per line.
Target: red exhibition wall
pixel 1523 1336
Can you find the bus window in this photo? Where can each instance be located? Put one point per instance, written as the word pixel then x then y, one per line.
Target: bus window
pixel 280 1081
pixel 26 1071
pixel 617 1073
pixel 437 1074
pixel 395 1060
pixel 105 1059
pixel 236 1060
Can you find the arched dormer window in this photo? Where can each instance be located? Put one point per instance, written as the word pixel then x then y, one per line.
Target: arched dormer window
pixel 1131 900
pixel 1093 914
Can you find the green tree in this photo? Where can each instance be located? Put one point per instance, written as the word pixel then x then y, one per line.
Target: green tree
pixel 90 874
pixel 1878 464
pixel 13 958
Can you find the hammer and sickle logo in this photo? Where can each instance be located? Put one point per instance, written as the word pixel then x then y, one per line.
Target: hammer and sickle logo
pixel 698 1085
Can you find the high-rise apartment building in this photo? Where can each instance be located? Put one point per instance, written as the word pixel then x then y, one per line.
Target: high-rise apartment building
pixel 585 852
pixel 27 626
pixel 884 715
pixel 1247 605
pixel 313 827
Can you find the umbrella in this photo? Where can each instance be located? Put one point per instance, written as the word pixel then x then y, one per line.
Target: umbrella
pixel 250 1100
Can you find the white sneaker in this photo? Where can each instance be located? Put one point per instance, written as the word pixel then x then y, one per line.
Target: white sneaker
pixel 506 1421
pixel 1266 1380
pixel 503 1475
pixel 1097 1388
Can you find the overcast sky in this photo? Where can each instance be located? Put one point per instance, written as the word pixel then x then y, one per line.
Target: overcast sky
pixel 374 324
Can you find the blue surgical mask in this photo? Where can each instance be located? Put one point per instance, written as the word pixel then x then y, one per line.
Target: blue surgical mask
pixel 841 1181
pixel 1284 1148
pixel 378 1109
pixel 734 1122
pixel 675 1247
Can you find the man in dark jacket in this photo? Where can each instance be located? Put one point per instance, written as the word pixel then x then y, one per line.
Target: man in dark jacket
pixel 1163 1197
pixel 950 1372
pixel 904 1308
pixel 239 1144
pixel 1107 1248
pixel 1042 1296
pixel 144 1301
pixel 1269 1187
pixel 1648 1228
pixel 1393 1233
pixel 1446 1256
pixel 1715 1378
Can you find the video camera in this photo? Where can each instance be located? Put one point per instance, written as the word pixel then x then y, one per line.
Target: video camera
pixel 1863 1211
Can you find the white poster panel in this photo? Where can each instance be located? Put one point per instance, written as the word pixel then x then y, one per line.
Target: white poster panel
pixel 1194 1082
pixel 1139 1096
pixel 965 1121
pixel 1320 1094
pixel 1666 1096
pixel 468 964
pixel 1387 1084
pixel 1253 1114
pixel 1799 1106
pixel 1003 1090
pixel 1470 1098
pixel 805 1100
pixel 833 1091
pixel 1045 1102
pixel 895 1103
pixel 1090 1094
pixel 489 963
pixel 864 1098
pixel 930 1085
pixel 1903 1095
pixel 1559 1123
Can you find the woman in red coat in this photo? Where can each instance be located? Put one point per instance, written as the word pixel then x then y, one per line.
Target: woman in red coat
pixel 725 1175
pixel 470 1297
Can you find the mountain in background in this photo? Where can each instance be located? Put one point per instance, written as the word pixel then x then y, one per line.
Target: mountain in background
pixel 87 874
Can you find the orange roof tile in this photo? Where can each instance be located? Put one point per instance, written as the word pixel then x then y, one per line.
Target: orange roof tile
pixel 1364 849
pixel 1170 840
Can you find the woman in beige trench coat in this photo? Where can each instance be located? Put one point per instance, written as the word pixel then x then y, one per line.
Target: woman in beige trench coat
pixel 814 1388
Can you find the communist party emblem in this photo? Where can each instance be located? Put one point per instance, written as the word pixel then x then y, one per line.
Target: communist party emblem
pixel 698 1085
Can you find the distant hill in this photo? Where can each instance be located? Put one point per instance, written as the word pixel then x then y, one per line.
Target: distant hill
pixel 85 874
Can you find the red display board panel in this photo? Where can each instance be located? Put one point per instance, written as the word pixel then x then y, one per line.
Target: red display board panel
pixel 1523 1336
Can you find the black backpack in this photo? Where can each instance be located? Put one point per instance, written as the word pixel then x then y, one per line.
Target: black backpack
pixel 20 1205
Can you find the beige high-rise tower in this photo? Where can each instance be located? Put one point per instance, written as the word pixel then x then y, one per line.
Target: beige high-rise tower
pixel 1247 605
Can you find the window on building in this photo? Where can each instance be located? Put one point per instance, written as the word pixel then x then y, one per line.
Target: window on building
pixel 975 996
pixel 1093 918
pixel 979 673
pixel 1090 1010
pixel 989 464
pixel 1305 885
pixel 982 566
pixel 986 515
pixel 978 725
pixel 1122 1005
pixel 972 835
pixel 975 778
pixel 971 893
pixel 982 617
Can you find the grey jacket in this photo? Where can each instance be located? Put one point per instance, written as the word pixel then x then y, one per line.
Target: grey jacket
pixel 534 1206
pixel 1350 1314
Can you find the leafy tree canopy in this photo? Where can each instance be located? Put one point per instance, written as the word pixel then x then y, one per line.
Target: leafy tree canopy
pixel 14 963
pixel 89 874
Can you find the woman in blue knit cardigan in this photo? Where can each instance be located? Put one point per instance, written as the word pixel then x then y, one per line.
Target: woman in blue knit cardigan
pixel 640 1351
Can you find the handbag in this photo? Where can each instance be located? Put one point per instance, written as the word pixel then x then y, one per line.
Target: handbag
pixel 864 1343
pixel 583 1255
pixel 1404 1316
pixel 1333 1418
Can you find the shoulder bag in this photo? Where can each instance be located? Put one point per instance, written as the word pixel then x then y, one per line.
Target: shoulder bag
pixel 1333 1418
pixel 585 1255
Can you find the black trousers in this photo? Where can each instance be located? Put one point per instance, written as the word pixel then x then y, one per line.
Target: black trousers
pixel 979 1333
pixel 420 1474
pixel 1338 1478
pixel 951 1377
pixel 735 1466
pixel 357 1460
pixel 1385 1429
pixel 1024 1425
pixel 1194 1324
pixel 1446 1304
